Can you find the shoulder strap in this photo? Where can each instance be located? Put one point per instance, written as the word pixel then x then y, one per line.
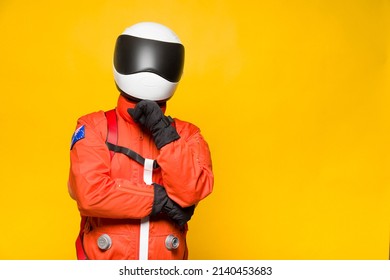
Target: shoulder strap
pixel 112 129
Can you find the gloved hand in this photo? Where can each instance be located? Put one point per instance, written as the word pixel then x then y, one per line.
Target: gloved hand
pixel 149 115
pixel 162 203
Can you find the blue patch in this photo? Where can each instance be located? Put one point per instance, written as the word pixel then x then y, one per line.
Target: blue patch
pixel 78 135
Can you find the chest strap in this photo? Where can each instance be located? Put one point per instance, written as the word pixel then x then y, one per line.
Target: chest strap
pixel 130 153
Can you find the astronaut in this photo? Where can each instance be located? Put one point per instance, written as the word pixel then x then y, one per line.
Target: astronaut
pixel 137 174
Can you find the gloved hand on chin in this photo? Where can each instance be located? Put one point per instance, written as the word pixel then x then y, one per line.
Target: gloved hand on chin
pixel 162 203
pixel 150 115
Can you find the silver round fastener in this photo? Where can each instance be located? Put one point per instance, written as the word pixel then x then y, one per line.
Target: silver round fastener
pixel 172 242
pixel 104 242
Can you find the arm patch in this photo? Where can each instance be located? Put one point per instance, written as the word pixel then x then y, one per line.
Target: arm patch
pixel 78 135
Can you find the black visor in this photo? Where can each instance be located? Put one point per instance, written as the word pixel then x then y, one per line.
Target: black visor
pixel 133 55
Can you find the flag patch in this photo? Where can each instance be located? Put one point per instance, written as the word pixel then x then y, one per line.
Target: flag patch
pixel 78 135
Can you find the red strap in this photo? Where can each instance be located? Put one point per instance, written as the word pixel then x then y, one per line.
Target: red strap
pixel 79 242
pixel 112 128
pixel 112 137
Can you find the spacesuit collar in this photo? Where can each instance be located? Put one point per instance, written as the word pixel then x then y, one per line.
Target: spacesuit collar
pixel 125 103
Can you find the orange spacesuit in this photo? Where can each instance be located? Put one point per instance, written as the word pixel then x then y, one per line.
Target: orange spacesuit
pixel 111 192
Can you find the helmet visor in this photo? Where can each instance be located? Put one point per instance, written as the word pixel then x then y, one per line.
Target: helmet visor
pixel 134 54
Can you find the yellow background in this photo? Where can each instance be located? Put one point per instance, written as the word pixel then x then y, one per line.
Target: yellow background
pixel 292 97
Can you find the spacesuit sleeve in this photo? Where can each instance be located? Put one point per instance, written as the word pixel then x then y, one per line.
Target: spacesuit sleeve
pixel 186 166
pixel 90 184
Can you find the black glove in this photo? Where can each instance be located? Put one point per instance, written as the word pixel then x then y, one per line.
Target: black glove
pixel 149 115
pixel 162 203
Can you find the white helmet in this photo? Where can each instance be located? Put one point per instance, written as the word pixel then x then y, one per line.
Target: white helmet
pixel 148 61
